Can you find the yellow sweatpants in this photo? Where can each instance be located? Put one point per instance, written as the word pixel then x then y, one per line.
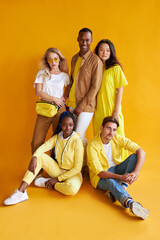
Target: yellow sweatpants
pixel 69 187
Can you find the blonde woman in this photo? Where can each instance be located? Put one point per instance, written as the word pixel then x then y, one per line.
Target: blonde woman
pixel 49 85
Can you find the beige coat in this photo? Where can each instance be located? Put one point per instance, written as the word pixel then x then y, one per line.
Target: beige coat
pixel 88 80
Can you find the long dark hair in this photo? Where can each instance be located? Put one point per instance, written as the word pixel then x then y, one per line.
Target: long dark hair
pixel 112 61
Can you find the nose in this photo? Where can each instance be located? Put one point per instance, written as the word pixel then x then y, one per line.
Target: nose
pixel 84 42
pixel 111 130
pixel 67 127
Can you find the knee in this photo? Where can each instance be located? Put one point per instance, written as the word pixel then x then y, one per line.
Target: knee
pixel 35 145
pixel 111 182
pixel 133 157
pixel 73 188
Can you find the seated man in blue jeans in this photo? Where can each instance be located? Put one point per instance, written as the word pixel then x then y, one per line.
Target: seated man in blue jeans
pixel 109 172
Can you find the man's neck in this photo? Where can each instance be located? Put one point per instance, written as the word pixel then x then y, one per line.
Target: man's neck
pixel 81 53
pixel 104 141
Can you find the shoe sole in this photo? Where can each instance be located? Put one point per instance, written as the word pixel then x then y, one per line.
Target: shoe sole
pixel 9 204
pixel 139 211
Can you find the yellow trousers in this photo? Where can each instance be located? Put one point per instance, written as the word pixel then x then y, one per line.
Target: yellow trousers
pixel 69 187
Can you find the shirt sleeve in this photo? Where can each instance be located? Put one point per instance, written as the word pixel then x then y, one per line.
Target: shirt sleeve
pixel 39 78
pixel 120 79
pixel 78 161
pixel 127 144
pixel 67 80
pixel 93 159
pixel 48 145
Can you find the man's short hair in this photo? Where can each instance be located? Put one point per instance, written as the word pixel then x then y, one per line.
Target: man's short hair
pixel 110 119
pixel 85 30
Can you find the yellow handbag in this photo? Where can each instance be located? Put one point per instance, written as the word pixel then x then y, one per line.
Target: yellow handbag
pixel 46 109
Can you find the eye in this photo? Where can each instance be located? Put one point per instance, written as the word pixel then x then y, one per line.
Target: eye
pixel 50 60
pixel 56 60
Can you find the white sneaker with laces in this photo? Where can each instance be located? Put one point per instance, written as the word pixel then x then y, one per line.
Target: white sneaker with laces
pixel 40 182
pixel 16 197
pixel 138 210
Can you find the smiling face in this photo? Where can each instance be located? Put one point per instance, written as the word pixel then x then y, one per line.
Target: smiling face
pixel 67 126
pixel 104 52
pixel 108 132
pixel 53 60
pixel 84 39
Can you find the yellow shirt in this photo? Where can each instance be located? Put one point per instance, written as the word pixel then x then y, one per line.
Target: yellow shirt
pixel 69 155
pixel 96 156
pixel 72 99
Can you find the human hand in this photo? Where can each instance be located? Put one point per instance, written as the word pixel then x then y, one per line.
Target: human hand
pixel 51 182
pixel 59 101
pixel 77 111
pixel 63 98
pixel 130 177
pixel 133 177
pixel 115 115
pixel 33 165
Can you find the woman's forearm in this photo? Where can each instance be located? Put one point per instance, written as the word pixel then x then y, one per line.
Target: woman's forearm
pixel 39 93
pixel 45 96
pixel 118 99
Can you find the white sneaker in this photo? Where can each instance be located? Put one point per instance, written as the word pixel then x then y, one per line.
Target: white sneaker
pixel 40 182
pixel 137 209
pixel 16 197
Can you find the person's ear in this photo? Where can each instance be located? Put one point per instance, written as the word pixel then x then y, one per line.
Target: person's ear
pixel 101 127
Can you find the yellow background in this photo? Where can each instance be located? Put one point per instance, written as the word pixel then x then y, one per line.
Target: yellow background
pixel 28 28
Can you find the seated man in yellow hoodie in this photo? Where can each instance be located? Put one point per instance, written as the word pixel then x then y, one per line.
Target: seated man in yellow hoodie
pixel 109 172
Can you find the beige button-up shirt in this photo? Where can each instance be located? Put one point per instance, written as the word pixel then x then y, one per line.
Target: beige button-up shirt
pixel 88 80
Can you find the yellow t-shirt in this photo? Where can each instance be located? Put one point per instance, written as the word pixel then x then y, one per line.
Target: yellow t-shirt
pixel 72 99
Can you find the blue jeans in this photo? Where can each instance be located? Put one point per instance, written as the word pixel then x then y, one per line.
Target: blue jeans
pixel 113 185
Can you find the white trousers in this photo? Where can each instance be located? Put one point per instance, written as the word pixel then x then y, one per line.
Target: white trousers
pixel 82 123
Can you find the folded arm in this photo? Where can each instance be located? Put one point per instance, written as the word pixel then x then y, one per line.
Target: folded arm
pixel 39 93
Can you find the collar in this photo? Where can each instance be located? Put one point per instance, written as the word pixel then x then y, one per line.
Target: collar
pixel 61 135
pixel 85 56
pixel 102 151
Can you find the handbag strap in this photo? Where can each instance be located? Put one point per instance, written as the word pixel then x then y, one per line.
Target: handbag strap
pixel 63 148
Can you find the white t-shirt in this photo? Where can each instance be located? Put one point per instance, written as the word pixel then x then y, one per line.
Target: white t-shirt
pixel 53 86
pixel 61 135
pixel 108 151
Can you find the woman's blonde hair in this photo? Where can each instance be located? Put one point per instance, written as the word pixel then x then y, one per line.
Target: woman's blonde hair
pixel 45 66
